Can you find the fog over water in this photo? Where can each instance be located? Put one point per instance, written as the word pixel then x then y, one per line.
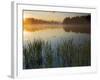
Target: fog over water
pixel 54 36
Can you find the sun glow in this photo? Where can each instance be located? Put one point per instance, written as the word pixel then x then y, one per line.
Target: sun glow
pixel 50 15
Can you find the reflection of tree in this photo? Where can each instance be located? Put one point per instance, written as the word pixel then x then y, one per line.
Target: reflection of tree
pixel 77 24
pixel 77 20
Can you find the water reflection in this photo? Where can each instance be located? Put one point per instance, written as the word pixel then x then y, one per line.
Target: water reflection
pixel 55 47
pixel 54 35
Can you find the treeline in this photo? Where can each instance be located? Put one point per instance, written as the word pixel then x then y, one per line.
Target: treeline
pixel 77 20
pixel 80 24
pixel 38 21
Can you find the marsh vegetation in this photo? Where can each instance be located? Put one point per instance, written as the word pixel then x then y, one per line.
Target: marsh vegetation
pixel 40 54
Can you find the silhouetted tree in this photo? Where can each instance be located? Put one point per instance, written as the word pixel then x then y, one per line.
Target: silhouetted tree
pixel 77 20
pixel 77 24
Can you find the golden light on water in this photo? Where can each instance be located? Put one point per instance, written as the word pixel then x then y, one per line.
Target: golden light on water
pixel 32 19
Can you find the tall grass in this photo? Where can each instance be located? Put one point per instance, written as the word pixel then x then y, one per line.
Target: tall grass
pixel 40 54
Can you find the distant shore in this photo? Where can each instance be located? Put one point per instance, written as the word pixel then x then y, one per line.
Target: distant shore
pixel 82 28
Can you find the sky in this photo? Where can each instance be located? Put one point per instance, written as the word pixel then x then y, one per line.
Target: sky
pixel 50 15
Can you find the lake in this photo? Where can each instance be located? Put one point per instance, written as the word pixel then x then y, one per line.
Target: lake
pixel 54 35
pixel 54 47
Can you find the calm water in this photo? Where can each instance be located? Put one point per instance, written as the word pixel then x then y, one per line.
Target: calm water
pixel 55 36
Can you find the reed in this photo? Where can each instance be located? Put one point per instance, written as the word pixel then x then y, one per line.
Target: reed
pixel 40 54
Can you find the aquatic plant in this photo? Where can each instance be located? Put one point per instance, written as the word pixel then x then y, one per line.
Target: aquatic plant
pixel 40 54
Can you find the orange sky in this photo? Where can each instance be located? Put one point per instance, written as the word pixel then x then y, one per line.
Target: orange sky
pixel 50 16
